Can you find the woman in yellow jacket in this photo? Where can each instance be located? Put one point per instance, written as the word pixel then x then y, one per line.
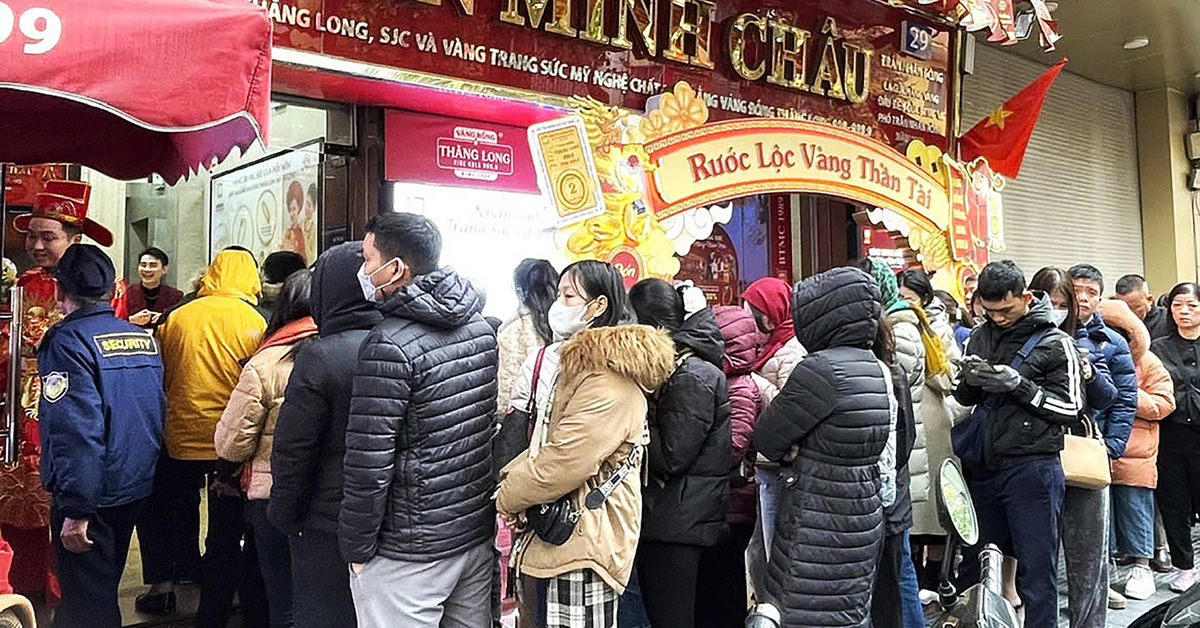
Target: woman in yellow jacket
pixel 596 426
pixel 204 345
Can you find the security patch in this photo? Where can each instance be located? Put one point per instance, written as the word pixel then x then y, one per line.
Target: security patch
pixel 126 343
pixel 55 386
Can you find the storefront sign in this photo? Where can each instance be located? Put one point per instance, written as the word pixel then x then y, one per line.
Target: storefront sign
pixel 462 153
pixel 23 183
pixel 567 174
pixel 862 65
pixel 727 160
pixel 780 224
pixel 269 205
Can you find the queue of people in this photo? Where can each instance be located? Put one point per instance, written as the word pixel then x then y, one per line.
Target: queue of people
pixel 673 463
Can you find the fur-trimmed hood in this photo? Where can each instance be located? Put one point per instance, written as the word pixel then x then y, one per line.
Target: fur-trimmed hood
pixel 643 354
pixel 1116 314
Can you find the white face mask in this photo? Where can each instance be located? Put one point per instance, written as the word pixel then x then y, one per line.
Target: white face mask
pixel 369 289
pixel 1058 316
pixel 566 320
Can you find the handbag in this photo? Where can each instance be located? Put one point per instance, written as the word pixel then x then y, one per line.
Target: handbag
pixel 1084 459
pixel 969 438
pixel 516 429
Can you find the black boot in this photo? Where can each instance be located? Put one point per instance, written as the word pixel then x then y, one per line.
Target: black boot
pixel 156 603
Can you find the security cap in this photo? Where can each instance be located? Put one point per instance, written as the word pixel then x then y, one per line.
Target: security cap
pixel 85 271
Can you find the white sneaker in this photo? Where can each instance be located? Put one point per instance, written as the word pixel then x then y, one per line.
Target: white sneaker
pixel 927 597
pixel 1140 585
pixel 1184 579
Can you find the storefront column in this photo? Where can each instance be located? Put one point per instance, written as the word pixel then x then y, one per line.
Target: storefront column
pixel 1168 225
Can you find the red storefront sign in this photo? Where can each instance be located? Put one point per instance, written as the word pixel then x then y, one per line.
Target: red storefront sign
pixel 842 62
pixel 780 224
pixel 451 151
pixel 22 183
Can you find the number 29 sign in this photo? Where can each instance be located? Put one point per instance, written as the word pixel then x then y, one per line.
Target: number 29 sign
pixel 37 28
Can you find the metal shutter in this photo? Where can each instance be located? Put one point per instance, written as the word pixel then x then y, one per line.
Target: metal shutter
pixel 1077 199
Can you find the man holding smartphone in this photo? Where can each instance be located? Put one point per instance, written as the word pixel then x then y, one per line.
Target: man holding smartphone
pixel 1022 374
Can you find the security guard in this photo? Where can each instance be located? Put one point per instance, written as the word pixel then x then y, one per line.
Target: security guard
pixel 102 413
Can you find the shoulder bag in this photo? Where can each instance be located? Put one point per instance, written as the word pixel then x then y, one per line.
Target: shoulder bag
pixel 516 430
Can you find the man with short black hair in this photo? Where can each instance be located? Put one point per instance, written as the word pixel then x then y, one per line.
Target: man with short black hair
pixel 1022 375
pixel 417 517
pixel 102 415
pixel 150 297
pixel 1134 290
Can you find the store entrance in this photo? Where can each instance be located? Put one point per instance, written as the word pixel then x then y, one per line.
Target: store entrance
pixel 788 236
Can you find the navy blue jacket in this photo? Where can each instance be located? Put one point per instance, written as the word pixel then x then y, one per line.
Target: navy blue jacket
pixel 101 411
pixel 1115 419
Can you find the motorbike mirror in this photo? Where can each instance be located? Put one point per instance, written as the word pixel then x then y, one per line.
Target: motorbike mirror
pixel 1185 611
pixel 955 508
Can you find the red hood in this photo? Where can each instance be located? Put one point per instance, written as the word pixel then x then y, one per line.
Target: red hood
pixel 741 339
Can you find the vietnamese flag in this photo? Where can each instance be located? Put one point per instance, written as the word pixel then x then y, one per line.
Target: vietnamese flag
pixel 1002 137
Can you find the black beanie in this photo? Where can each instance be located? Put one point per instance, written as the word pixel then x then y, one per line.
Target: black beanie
pixel 86 271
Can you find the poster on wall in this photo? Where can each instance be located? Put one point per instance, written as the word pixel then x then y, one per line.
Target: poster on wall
pixel 712 265
pixel 485 234
pixel 271 204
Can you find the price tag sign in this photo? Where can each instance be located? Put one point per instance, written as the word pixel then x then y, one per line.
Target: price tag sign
pixel 917 40
pixel 566 172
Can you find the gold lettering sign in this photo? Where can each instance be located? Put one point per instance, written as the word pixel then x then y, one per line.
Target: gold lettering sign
pixel 643 18
pixel 737 45
pixel 466 6
pixel 789 56
pixel 697 30
pixel 727 160
pixel 560 24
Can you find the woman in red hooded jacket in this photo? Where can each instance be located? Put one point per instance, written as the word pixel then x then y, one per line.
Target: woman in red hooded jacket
pixel 769 301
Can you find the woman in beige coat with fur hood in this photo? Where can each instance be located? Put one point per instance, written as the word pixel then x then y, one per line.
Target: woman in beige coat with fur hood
pixel 595 431
pixel 247 428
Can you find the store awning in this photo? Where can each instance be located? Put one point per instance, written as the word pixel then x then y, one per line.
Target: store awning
pixel 133 87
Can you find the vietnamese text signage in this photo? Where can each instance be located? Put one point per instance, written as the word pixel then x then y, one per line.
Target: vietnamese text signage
pixel 727 160
pixel 860 65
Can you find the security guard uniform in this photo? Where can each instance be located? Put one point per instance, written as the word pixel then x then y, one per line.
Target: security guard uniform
pixel 102 412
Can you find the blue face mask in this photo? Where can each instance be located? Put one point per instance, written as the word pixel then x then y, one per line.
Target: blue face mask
pixel 365 281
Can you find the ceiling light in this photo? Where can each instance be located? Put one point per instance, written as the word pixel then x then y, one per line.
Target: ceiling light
pixel 1141 41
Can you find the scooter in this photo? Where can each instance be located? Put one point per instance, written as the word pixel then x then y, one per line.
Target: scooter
pixel 982 605
pixel 1181 612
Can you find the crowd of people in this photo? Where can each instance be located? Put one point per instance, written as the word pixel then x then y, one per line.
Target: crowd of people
pixel 376 453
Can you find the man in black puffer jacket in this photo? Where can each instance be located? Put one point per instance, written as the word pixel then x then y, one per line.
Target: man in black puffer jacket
pixel 690 458
pixel 828 425
pixel 1010 446
pixel 310 441
pixel 417 515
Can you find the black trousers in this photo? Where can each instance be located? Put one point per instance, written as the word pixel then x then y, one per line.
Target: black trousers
pixel 169 530
pixel 90 580
pixel 721 599
pixel 320 582
pixel 1178 498
pixel 887 610
pixel 668 574
pixel 231 568
pixel 274 562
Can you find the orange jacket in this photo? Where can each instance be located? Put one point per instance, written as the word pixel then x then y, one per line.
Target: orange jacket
pixel 1156 399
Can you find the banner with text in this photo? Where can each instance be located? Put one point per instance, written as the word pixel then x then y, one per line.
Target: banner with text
pixel 727 160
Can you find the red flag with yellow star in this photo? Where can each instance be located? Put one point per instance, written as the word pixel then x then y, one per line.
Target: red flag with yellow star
pixel 1002 137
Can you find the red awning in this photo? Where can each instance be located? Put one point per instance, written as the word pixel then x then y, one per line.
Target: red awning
pixel 132 87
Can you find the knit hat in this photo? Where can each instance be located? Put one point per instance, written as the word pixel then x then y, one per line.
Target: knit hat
pixel 85 271
pixel 889 288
